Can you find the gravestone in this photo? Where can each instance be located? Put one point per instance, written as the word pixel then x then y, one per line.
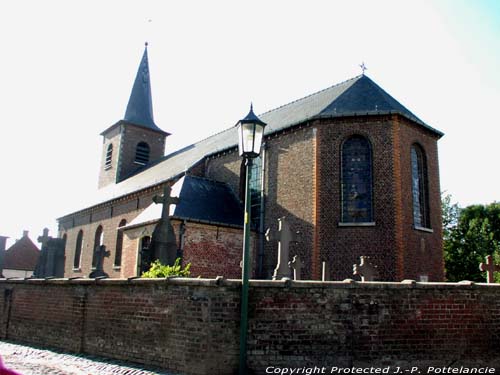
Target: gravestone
pixel 365 269
pixel 295 264
pixel 100 253
pixel 52 256
pixel 284 237
pixel 325 272
pixel 163 239
pixel 490 267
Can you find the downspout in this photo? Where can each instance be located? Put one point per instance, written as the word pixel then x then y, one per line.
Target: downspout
pixel 260 257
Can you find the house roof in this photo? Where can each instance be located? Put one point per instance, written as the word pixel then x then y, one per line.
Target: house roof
pixel 359 96
pixel 23 255
pixel 200 200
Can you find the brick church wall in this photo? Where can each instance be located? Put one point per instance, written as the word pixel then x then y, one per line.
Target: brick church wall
pixel 191 326
pixel 341 246
pixel 109 216
pixel 288 187
pixel 423 251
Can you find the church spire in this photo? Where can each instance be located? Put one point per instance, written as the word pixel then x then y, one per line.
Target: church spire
pixel 140 105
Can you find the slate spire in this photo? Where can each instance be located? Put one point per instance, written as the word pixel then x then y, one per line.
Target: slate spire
pixel 140 105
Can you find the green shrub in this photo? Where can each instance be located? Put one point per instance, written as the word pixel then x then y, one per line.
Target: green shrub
pixel 158 270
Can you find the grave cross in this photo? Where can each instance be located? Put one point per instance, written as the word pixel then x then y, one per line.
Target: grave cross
pixel 490 267
pixel 295 264
pixel 365 269
pixel 100 254
pixel 166 200
pixel 163 241
pixel 43 239
pixel 284 237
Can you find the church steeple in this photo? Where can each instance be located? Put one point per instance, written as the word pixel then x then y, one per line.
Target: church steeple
pixel 135 141
pixel 140 105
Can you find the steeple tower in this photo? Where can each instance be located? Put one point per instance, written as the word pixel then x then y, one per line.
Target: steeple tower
pixel 136 140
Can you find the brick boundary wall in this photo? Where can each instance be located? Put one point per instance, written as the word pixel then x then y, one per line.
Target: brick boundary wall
pixel 191 326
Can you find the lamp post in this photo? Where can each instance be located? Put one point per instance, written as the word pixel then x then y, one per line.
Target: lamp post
pixel 250 134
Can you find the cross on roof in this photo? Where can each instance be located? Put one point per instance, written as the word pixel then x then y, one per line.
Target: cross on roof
pixel 363 67
pixel 490 269
pixel 166 200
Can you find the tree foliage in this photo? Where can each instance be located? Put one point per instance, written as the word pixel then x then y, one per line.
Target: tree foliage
pixel 470 234
pixel 159 270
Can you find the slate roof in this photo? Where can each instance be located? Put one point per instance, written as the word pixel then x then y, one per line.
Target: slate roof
pixel 358 96
pixel 200 200
pixel 23 255
pixel 139 110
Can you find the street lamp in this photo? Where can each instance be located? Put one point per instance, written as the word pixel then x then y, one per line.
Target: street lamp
pixel 250 134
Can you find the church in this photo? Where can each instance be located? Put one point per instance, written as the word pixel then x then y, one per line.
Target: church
pixel 354 172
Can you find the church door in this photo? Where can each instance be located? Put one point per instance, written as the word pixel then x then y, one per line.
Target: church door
pixel 145 255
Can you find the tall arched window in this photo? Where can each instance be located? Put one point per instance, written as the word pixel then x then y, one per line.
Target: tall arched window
pixel 98 241
pixel 420 189
pixel 119 244
pixel 142 153
pixel 356 179
pixel 109 157
pixel 78 250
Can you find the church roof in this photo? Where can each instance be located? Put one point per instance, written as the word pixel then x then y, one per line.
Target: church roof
pixel 200 200
pixel 22 255
pixel 359 96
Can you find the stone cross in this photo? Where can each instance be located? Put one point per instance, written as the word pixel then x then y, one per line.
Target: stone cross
pixel 490 267
pixel 46 258
pixel 365 269
pixel 285 236
pixel 100 254
pixel 44 238
pixel 295 264
pixel 163 241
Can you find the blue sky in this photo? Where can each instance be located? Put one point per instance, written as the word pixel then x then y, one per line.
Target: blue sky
pixel 68 68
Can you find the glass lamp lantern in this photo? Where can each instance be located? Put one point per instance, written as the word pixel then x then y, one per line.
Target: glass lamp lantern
pixel 250 134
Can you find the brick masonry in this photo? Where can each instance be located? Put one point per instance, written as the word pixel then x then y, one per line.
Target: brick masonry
pixel 191 326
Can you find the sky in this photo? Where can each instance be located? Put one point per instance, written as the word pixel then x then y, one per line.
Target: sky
pixel 68 67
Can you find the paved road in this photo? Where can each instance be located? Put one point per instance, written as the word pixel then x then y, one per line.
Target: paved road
pixel 32 361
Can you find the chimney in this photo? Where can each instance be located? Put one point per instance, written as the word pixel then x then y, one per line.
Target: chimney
pixel 25 233
pixel 3 241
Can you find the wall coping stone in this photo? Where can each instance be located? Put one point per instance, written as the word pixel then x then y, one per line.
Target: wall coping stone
pixel 221 282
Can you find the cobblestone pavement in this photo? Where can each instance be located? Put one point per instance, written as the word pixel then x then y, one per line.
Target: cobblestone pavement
pixel 33 361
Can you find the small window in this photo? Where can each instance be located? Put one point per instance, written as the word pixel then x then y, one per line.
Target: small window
pixel 420 188
pixel 142 153
pixel 109 157
pixel 78 250
pixel 119 244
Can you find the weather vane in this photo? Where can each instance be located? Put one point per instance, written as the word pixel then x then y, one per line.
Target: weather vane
pixel 363 67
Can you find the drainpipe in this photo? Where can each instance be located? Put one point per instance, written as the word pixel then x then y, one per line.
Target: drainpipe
pixel 3 242
pixel 260 257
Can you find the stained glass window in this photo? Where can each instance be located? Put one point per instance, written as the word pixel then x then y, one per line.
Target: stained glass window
pixel 420 189
pixel 357 198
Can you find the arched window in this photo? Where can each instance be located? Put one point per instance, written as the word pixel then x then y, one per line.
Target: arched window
pixel 420 189
pixel 109 157
pixel 255 185
pixel 356 181
pixel 119 244
pixel 78 250
pixel 142 153
pixel 98 241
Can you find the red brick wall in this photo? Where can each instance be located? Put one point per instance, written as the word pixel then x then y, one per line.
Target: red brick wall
pixel 288 187
pixel 423 251
pixel 191 326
